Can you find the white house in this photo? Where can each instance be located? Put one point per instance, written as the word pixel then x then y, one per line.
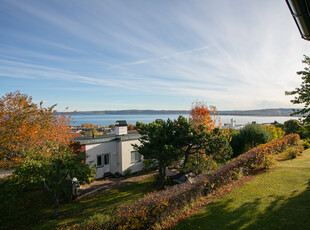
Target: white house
pixel 112 153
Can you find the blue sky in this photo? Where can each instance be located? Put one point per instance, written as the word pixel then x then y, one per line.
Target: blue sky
pixel 147 54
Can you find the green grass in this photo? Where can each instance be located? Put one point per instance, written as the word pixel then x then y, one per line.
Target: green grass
pixel 277 199
pixel 35 210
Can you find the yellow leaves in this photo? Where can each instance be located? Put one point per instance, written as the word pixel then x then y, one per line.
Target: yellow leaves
pixel 25 125
pixel 201 115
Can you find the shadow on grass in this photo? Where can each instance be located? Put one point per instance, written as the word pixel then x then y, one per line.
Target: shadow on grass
pixel 281 213
pixel 37 212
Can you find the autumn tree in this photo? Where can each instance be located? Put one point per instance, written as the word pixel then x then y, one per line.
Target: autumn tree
pixel 206 120
pixel 276 132
pixel 201 114
pixel 94 132
pixel 25 125
pixel 130 127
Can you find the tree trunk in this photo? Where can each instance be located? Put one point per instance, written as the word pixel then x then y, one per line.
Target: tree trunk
pixel 162 173
pixel 187 152
pixel 185 159
pixel 56 205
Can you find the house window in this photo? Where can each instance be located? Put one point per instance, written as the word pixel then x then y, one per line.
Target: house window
pixel 135 157
pixel 99 161
pixel 106 159
pixel 103 159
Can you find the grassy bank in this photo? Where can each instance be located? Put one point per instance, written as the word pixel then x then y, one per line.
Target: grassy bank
pixel 277 199
pixel 35 210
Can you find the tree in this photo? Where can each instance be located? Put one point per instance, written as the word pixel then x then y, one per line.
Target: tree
pixel 169 141
pixel 292 126
pixel 94 132
pixel 303 92
pixel 276 132
pixel 218 146
pixel 24 126
pixel 201 115
pixel 53 171
pixel 205 121
pixel 159 141
pixel 249 137
pixel 130 127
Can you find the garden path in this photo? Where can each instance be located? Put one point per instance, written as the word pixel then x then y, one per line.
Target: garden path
pixel 107 184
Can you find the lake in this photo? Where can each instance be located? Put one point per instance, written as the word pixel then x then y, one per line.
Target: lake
pixel 105 120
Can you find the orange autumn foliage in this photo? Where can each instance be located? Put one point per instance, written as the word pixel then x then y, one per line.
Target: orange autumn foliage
pixel 25 126
pixel 201 114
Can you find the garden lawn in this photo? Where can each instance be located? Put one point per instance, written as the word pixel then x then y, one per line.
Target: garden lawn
pixel 276 199
pixel 35 210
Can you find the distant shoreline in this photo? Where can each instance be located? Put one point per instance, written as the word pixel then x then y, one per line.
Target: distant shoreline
pixel 262 112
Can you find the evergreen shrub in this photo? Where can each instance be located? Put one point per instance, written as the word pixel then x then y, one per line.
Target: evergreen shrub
pixel 249 137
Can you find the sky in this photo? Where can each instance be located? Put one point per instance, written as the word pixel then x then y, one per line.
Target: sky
pixel 147 54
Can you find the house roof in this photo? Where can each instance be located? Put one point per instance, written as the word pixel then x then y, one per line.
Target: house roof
pixel 121 123
pixel 301 14
pixel 106 138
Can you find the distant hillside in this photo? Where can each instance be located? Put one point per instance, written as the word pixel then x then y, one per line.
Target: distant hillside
pixel 130 112
pixel 260 112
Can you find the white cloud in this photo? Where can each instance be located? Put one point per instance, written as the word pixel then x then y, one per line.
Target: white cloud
pixel 241 54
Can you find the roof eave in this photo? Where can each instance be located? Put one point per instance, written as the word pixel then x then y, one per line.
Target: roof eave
pixel 300 12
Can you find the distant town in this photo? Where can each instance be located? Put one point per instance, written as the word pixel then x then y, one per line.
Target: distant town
pixel 259 112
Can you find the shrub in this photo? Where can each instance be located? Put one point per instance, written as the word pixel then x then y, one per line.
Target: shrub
pixel 305 144
pixel 295 126
pixel 154 207
pixel 127 172
pixel 276 132
pixel 249 137
pixel 149 165
pixel 292 126
pixel 269 161
pixel 198 164
pixel 293 152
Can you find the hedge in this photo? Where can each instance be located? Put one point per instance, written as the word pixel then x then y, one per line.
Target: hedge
pixel 154 207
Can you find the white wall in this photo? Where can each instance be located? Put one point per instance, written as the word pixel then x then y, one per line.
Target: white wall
pixel 127 148
pixel 120 156
pixel 97 149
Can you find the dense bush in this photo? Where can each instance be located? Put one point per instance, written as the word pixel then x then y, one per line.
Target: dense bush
pixel 293 151
pixel 199 163
pixel 292 126
pixel 305 144
pixel 276 132
pixel 295 126
pixel 154 207
pixel 249 137
pixel 269 161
